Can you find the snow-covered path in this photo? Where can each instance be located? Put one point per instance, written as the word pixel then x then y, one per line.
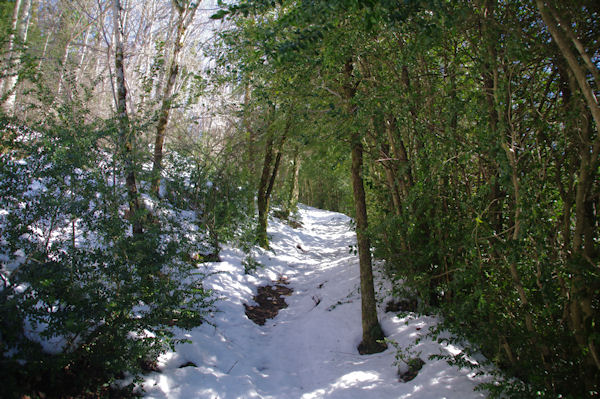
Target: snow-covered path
pixel 309 349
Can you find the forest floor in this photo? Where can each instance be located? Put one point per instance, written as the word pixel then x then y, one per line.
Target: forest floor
pixel 308 350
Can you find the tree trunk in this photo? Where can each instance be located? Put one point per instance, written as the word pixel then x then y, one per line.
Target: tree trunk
pixel 372 334
pixel 125 135
pixel 262 201
pixel 392 181
pixel 399 150
pixel 580 309
pixel 294 189
pixel 10 54
pixel 63 68
pixel 267 182
pixel 186 15
pixel 21 17
pixel 578 70
pixel 250 132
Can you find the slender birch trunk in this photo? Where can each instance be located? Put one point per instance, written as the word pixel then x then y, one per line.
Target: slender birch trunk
pixel 9 61
pixel 125 134
pixel 19 36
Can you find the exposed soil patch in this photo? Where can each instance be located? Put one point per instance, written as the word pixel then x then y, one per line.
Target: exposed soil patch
pixel 414 366
pixel 294 224
pixel 270 301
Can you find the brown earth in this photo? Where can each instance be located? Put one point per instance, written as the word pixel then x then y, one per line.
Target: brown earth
pixel 269 301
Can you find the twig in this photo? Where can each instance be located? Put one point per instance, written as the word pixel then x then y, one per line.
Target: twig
pixel 231 368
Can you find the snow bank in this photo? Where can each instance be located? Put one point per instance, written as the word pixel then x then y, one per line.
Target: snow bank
pixel 309 349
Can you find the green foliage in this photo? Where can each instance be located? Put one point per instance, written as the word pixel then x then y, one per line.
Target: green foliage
pixel 250 264
pixel 84 302
pixel 404 355
pixel 217 191
pixel 478 148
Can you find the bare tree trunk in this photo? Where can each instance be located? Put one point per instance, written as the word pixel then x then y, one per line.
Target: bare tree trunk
pixel 372 334
pixel 63 67
pixel 125 134
pixel 84 52
pixel 294 189
pixel 19 36
pixel 399 150
pixel 389 168
pixel 11 46
pixel 185 17
pixel 562 42
pixel 581 309
pixel 266 184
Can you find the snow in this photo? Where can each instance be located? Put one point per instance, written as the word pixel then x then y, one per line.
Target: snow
pixel 309 349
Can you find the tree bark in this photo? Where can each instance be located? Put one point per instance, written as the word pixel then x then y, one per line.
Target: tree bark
pixel 11 46
pixel 392 181
pixel 266 184
pixel 578 71
pixel 186 16
pixel 399 150
pixel 580 310
pixel 19 35
pixel 125 135
pixel 372 334
pixel 262 201
pixel 294 189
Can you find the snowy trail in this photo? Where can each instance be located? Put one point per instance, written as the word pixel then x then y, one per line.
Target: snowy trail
pixel 309 349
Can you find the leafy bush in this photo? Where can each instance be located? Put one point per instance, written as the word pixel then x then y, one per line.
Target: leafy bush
pixel 84 302
pixel 216 190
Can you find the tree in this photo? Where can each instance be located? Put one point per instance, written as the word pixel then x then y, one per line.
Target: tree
pixel 285 48
pixel 125 133
pixel 271 163
pixel 472 131
pixel 371 330
pixel 18 38
pixel 581 307
pixel 185 15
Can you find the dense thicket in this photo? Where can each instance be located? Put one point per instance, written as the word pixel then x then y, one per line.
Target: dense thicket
pixel 478 126
pixel 102 233
pixel 463 135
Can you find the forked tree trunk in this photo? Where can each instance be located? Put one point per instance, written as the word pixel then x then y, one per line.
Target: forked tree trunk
pixel 581 309
pixel 562 41
pixel 266 184
pixel 185 17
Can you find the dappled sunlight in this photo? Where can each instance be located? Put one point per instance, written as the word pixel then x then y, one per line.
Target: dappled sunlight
pixel 163 384
pixel 355 379
pixel 308 350
pixel 415 392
